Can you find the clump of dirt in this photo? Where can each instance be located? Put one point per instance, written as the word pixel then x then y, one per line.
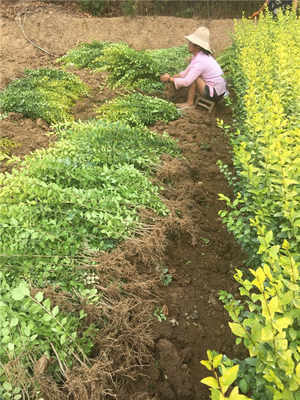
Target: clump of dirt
pixel 25 134
pixel 167 313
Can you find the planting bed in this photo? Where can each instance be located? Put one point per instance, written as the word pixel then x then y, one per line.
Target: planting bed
pixel 189 256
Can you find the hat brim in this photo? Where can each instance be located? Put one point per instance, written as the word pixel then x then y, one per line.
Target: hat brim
pixel 195 40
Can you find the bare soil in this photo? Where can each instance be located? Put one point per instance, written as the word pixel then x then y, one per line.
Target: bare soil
pixel 192 244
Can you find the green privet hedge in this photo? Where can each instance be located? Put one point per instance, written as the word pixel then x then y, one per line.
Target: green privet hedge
pixel 43 93
pixel 128 67
pixel 31 328
pixel 85 55
pixel 140 69
pixel 138 110
pixel 265 214
pixel 82 195
pixel 171 60
pixel 85 193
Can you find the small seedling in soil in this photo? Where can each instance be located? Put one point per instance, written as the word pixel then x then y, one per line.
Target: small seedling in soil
pixel 166 277
pixel 205 146
pixel 205 240
pixel 159 314
pixel 178 213
pixel 188 262
pixel 225 297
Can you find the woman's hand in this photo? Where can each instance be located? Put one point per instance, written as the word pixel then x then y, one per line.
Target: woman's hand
pixel 165 78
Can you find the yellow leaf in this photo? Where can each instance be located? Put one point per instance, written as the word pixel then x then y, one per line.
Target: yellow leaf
pixel 217 360
pixel 260 275
pixel 266 334
pixel 237 329
pixel 273 306
pixel 234 395
pixel 285 244
pixel 206 364
pixel 229 377
pixel 267 271
pixel 211 382
pixel 282 323
pixel 298 372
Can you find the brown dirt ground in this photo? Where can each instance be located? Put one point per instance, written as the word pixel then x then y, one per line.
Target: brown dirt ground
pixel 194 246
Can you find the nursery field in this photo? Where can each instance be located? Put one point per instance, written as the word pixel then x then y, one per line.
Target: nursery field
pixel 115 261
pixel 189 257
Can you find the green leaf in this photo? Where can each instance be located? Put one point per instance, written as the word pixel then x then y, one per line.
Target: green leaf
pixel 10 347
pixel 55 311
pixel 7 386
pixel 27 330
pixel 20 291
pixel 243 385
pixel 14 322
pixel 47 317
pixel 39 297
pixel 63 339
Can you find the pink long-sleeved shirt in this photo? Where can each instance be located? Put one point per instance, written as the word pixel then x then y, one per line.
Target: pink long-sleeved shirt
pixel 206 67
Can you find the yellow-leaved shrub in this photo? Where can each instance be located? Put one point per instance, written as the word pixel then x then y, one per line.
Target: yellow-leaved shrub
pixel 265 214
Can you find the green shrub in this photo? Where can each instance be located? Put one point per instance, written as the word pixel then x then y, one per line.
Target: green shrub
pixel 30 328
pixel 137 109
pixel 44 93
pixel 141 69
pixel 83 193
pixel 129 68
pixel 86 55
pixel 171 60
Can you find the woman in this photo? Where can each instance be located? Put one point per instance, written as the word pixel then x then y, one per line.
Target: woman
pixel 203 73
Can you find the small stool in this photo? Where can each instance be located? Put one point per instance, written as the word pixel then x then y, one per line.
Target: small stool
pixel 202 102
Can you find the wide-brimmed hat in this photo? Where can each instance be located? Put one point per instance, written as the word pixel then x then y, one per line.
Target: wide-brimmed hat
pixel 201 38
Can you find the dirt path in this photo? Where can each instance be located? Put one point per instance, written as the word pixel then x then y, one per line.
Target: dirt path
pixel 197 263
pixel 200 264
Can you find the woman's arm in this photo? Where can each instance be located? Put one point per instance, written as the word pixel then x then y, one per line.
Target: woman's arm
pixel 169 78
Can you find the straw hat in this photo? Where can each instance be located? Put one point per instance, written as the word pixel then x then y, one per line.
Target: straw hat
pixel 201 38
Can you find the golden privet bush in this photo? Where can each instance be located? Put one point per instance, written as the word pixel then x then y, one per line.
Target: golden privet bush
pixel 265 214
